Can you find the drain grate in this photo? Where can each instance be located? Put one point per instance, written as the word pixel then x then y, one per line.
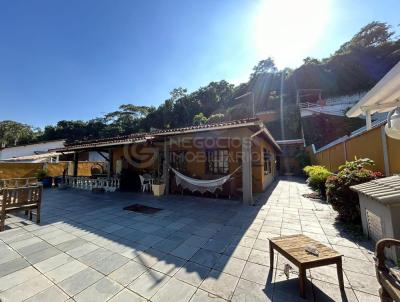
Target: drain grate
pixel 142 209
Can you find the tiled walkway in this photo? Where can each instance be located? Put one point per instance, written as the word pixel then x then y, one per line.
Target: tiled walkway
pixel 88 248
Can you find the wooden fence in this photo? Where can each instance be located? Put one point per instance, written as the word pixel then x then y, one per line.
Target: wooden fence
pixel 373 144
pixel 22 170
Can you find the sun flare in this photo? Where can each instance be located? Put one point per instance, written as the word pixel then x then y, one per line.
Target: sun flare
pixel 287 29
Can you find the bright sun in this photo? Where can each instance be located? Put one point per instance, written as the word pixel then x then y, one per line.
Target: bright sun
pixel 288 29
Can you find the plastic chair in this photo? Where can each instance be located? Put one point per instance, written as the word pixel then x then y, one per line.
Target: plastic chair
pixel 145 184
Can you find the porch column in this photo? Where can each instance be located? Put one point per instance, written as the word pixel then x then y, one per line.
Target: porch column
pixel 76 161
pixel 385 152
pixel 166 167
pixel 247 171
pixel 110 163
pixel 368 119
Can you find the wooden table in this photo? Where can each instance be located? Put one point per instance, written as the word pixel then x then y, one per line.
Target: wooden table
pixel 292 247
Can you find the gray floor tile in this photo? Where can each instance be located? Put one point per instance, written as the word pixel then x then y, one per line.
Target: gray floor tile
pixel 80 281
pixel 127 296
pixel 65 271
pixel 128 272
pixel 102 290
pixel 203 296
pixel 17 277
pixel 12 266
pixel 169 265
pixel 230 265
pixel 149 283
pixel 174 290
pixel 52 294
pixel 220 284
pixel 42 255
pixel 192 273
pixel 184 251
pixel 110 263
pixel 205 258
pixel 53 262
pixel 251 291
pixel 26 289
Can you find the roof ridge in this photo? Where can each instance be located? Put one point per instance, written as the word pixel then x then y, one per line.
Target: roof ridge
pixel 159 131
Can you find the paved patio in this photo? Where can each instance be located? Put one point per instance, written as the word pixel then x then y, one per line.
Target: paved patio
pixel 88 248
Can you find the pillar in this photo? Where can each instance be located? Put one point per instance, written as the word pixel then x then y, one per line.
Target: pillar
pixel 76 161
pixel 385 151
pixel 110 163
pixel 368 119
pixel 166 167
pixel 247 171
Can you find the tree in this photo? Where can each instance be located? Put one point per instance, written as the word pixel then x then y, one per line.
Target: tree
pixel 128 117
pixel 177 93
pixel 264 66
pixel 216 118
pixel 199 119
pixel 373 34
pixel 12 133
pixel 310 60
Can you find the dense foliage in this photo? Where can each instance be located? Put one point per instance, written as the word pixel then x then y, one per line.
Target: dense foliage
pixel 356 66
pixel 344 200
pixel 317 176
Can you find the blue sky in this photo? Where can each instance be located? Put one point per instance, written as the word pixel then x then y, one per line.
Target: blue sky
pixel 78 59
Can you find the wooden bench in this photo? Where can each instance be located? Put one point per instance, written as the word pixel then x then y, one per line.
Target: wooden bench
pixel 293 248
pixel 17 199
pixel 390 289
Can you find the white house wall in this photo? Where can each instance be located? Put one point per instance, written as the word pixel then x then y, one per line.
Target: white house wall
pixel 30 149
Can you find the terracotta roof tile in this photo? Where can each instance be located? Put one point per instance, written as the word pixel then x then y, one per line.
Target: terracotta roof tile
pixel 138 137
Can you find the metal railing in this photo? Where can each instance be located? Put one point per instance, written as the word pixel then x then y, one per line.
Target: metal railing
pixel 86 183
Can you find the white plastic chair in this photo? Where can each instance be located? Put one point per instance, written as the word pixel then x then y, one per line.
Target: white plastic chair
pixel 145 184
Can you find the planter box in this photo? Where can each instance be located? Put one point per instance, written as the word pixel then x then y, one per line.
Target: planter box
pixel 47 182
pixel 158 190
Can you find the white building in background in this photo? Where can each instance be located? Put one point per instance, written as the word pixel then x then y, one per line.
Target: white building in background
pixel 41 152
pixel 41 148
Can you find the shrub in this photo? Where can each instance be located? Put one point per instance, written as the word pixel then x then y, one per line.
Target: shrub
pixel 317 176
pixel 42 173
pixel 303 158
pixel 339 195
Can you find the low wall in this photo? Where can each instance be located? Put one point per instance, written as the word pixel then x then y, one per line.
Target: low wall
pixel 22 170
pixel 370 144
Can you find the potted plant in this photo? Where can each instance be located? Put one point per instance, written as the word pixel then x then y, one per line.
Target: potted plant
pixel 158 187
pixel 43 176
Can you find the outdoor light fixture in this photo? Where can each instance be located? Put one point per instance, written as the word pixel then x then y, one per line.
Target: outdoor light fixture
pixel 392 127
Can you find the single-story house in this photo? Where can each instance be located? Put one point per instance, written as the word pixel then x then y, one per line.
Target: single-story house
pixel 242 149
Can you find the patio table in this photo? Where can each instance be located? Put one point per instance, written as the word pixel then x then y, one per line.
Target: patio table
pixel 293 248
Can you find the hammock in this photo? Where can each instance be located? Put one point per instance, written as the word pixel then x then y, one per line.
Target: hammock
pixel 201 185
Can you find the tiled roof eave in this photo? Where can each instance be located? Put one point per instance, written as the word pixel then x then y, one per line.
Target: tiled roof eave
pixel 161 134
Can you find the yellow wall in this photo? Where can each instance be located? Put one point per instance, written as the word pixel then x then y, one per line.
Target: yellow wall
pixel 366 145
pixel 22 170
pixel 394 155
pixel 18 170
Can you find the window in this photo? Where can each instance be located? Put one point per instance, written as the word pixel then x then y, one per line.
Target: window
pixel 267 162
pixel 178 160
pixel 217 161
